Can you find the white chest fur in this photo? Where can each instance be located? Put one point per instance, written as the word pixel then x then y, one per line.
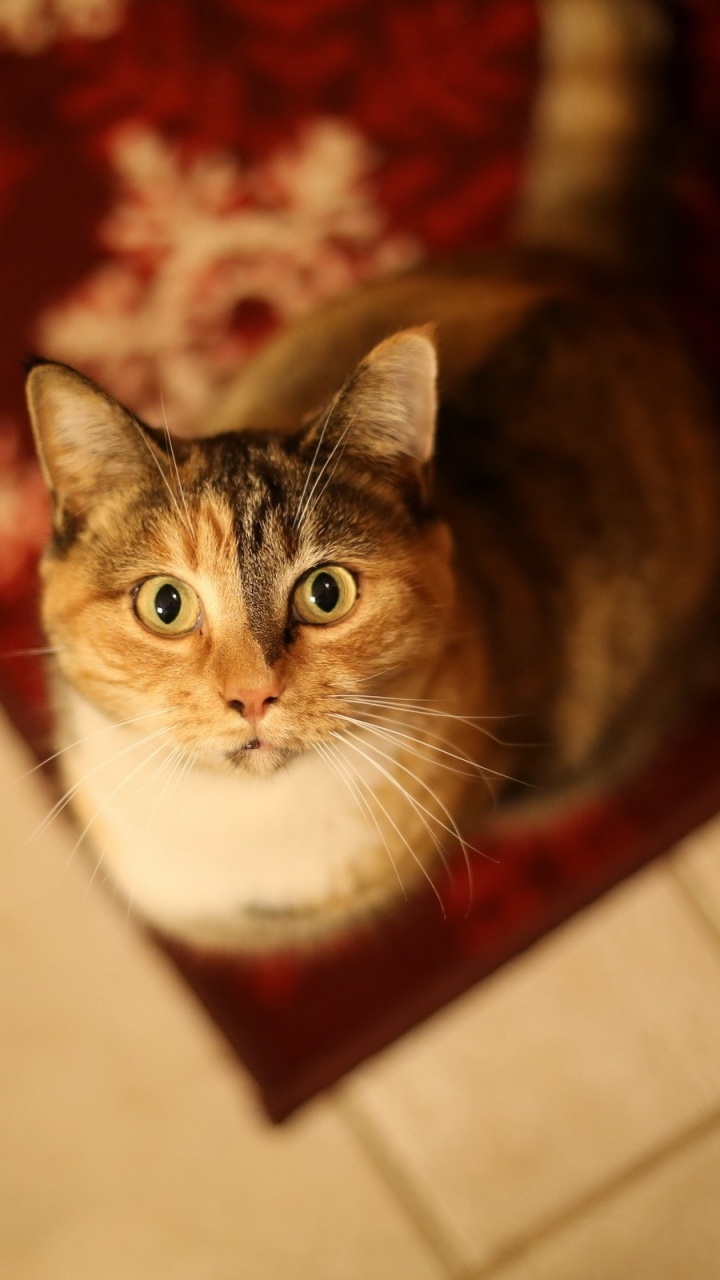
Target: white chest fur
pixel 196 848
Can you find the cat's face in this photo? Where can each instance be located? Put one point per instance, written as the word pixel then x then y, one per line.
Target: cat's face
pixel 245 585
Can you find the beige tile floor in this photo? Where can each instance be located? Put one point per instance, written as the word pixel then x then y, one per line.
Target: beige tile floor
pixel 561 1122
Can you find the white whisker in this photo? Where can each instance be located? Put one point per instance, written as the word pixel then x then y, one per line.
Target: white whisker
pixel 339 444
pixel 484 770
pixel 402 741
pixel 411 705
pixel 163 477
pixel 29 653
pixel 376 675
pixel 101 807
pixel 180 762
pixel 419 711
pixel 119 724
pixel 387 730
pixel 301 508
pixel 185 766
pixel 452 829
pixel 188 523
pixel 436 703
pixel 169 765
pixel 332 757
pixel 68 795
pixel 409 798
pixel 157 773
pixel 172 759
pixel 175 774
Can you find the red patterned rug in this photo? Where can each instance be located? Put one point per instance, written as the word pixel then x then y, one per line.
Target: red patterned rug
pixel 178 178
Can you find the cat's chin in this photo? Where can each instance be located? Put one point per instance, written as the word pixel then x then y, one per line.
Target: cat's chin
pixel 261 762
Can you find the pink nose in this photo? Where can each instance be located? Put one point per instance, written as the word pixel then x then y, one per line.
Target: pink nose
pixel 253 703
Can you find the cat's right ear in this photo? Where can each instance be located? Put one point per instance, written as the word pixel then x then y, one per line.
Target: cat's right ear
pixel 387 409
pixel 87 443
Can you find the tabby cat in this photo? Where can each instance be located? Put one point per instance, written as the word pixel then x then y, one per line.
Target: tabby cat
pixel 273 644
pixel 299 654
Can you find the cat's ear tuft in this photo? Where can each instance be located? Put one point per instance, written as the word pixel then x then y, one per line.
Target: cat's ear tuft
pixel 389 405
pixel 87 442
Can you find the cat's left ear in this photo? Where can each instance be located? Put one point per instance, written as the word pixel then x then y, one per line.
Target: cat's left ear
pixel 388 407
pixel 87 443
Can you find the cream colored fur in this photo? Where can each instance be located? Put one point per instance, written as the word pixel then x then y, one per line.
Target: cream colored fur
pixel 213 857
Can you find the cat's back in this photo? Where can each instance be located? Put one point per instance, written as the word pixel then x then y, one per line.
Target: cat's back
pixel 470 305
pixel 580 470
pixel 518 304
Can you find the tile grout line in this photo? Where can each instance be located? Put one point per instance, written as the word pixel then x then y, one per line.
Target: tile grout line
pixel 422 1214
pixel 692 898
pixel 428 1222
pixel 603 1193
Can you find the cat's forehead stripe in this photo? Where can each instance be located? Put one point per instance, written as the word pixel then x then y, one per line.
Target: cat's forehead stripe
pixel 267 541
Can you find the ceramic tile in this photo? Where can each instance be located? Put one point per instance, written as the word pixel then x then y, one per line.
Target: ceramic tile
pixel 551 1079
pixel 662 1226
pixel 697 864
pixel 131 1147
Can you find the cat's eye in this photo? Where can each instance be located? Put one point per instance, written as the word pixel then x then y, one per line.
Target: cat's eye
pixel 324 595
pixel 167 606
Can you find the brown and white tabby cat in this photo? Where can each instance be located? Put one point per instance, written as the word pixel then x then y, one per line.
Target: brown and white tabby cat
pixel 289 654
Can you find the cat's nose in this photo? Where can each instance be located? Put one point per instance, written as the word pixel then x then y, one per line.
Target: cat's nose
pixel 253 703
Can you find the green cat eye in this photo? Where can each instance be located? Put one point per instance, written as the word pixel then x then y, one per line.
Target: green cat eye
pixel 324 595
pixel 167 606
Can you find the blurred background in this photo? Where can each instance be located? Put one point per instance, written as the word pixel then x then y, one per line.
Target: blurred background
pixel 178 179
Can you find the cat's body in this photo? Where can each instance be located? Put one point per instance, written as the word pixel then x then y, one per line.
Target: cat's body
pixel 577 470
pixel 298 622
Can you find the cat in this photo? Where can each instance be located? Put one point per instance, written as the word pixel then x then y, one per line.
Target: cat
pixel 302 634
pixel 451 542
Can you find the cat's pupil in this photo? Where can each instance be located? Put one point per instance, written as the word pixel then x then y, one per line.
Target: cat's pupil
pixel 167 603
pixel 325 592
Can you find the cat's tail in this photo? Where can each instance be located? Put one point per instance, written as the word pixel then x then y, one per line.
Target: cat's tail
pixel 598 164
pixel 593 188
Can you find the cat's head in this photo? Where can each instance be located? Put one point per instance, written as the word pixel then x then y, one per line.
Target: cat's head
pixel 250 583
